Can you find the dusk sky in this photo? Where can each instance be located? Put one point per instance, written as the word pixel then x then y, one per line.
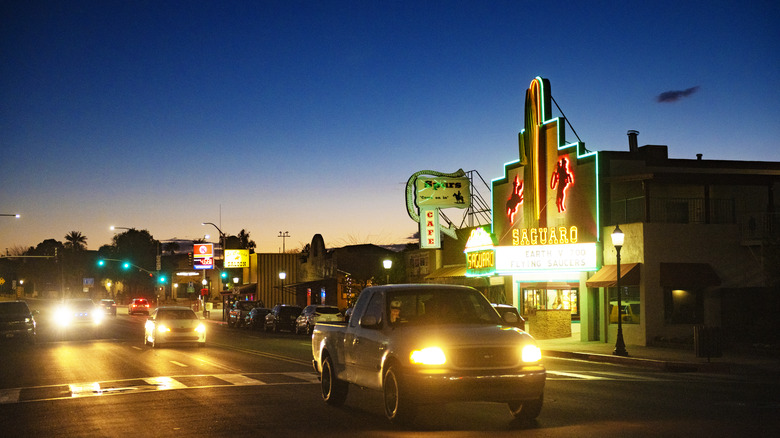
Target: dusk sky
pixel 310 116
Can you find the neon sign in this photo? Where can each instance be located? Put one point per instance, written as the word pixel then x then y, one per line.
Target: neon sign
pixel 544 236
pixel 515 200
pixel 562 177
pixel 480 256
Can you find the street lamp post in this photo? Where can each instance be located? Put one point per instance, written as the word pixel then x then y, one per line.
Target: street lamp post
pixel 16 215
pixel 282 276
pixel 620 345
pixel 387 263
pixel 221 244
pixel 284 237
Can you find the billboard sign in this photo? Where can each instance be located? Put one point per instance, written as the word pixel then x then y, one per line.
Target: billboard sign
pixel 236 258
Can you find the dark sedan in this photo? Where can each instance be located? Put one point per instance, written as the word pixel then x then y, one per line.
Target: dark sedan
pixel 17 321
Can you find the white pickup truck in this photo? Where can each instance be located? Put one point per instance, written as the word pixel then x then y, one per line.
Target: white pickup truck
pixel 425 344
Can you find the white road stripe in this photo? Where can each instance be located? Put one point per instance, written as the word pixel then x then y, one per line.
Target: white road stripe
pixel 9 395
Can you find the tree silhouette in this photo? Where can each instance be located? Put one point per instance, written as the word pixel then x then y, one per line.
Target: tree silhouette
pixel 75 241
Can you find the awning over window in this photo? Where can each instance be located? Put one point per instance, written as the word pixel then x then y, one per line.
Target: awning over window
pixel 607 276
pixel 448 271
pixel 688 275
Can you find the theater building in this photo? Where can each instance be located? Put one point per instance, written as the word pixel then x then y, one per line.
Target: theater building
pixel 700 248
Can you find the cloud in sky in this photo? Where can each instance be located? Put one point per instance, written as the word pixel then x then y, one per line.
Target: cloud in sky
pixel 675 95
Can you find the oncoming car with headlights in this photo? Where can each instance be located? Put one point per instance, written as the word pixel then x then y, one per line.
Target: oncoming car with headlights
pixel 174 324
pixel 429 344
pixel 79 315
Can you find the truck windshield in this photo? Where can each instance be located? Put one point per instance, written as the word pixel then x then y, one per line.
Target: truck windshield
pixel 445 306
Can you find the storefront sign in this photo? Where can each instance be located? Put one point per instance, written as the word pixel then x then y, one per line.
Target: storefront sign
pixel 442 192
pixel 236 258
pixel 429 228
pixel 203 255
pixel 569 257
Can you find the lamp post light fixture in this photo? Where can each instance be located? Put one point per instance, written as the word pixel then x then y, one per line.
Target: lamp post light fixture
pixel 387 263
pixel 16 215
pixel 282 276
pixel 620 345
pixel 113 228
pixel 284 237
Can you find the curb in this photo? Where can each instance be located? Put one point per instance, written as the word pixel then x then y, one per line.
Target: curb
pixel 661 365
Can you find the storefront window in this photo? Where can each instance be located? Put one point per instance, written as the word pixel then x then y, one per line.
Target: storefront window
pixel 629 300
pixel 550 299
pixel 683 306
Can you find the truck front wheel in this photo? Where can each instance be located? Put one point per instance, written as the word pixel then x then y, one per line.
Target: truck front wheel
pixel 526 410
pixel 334 390
pixel 398 406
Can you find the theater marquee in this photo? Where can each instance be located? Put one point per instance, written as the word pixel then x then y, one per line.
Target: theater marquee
pixel 545 206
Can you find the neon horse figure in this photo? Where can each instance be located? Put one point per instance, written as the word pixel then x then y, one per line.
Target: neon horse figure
pixel 561 178
pixel 515 200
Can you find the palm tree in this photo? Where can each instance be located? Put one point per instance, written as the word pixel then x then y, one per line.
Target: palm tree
pixel 246 242
pixel 75 241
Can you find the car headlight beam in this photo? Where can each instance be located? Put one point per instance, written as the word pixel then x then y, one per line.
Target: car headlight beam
pixel 531 353
pixel 428 356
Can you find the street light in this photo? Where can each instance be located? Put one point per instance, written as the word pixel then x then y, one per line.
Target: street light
pixel 284 237
pixel 113 228
pixel 387 263
pixel 620 345
pixel 282 276
pixel 16 215
pixel 221 244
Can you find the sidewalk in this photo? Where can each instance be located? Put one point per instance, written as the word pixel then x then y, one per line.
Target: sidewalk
pixel 665 359
pixel 658 358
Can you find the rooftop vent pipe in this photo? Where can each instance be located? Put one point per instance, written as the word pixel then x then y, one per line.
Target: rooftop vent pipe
pixel 633 146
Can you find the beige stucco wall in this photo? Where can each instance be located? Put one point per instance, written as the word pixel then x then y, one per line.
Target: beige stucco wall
pixel 653 243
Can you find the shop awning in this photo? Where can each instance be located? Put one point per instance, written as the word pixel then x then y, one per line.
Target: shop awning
pixel 607 276
pixel 688 275
pixel 447 271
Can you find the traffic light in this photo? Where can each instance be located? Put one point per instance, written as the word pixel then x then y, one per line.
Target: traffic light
pixel 101 263
pixel 189 258
pixel 161 279
pixel 223 275
pixel 126 265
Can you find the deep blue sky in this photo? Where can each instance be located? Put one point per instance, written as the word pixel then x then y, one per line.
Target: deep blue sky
pixel 310 116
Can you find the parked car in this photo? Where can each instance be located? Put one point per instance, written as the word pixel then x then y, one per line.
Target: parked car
pixel 504 309
pixel 138 305
pixel 79 315
pixel 174 324
pixel 316 313
pixel 239 310
pixel 255 319
pixel 17 321
pixel 108 306
pixel 282 317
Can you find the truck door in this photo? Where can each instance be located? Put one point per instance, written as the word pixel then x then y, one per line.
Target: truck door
pixel 366 345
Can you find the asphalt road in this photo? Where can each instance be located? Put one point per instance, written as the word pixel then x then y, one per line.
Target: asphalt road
pixel 246 383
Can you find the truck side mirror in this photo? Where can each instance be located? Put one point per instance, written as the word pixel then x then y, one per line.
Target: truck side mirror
pixel 369 322
pixel 510 317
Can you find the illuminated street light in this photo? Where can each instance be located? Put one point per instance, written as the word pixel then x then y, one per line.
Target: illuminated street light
pixel 16 215
pixel 620 345
pixel 387 263
pixel 282 276
pixel 113 228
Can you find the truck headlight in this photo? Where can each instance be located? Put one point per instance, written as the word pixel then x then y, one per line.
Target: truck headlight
pixel 200 328
pixel 63 316
pixel 162 328
pixel 531 353
pixel 428 356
